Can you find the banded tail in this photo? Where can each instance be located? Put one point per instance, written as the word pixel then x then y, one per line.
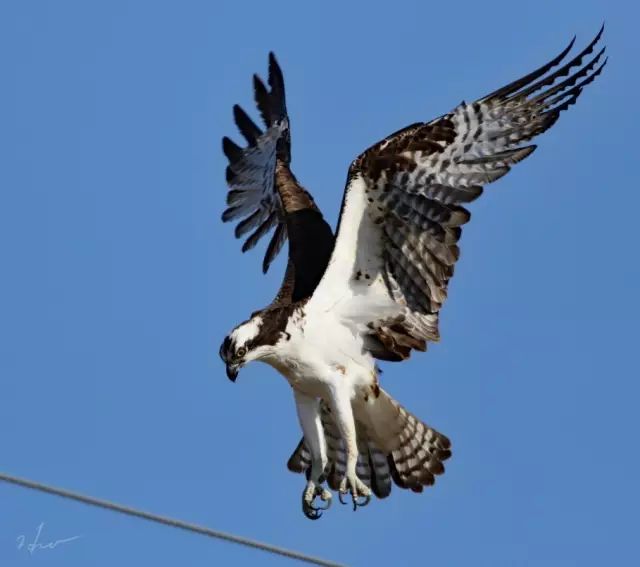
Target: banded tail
pixel 393 444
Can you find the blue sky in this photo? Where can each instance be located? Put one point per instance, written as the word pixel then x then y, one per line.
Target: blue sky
pixel 119 282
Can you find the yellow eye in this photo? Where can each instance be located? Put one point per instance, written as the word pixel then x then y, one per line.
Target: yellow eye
pixel 241 352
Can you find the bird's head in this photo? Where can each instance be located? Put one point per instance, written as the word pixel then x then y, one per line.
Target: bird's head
pixel 251 340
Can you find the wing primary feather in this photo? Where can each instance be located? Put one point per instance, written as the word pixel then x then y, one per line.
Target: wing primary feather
pixel 229 175
pixel 232 150
pixel 250 222
pixel 261 96
pixel 509 157
pixel 564 70
pixel 230 214
pixel 574 93
pixel 259 233
pixel 276 82
pixel 247 127
pixel 236 197
pixel 522 81
pixel 570 81
pixel 274 247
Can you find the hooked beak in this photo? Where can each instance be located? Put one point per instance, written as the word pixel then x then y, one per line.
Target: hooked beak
pixel 232 371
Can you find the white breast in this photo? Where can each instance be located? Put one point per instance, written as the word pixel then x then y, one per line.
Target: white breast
pixel 319 352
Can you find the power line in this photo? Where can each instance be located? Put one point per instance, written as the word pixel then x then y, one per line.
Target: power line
pixel 171 522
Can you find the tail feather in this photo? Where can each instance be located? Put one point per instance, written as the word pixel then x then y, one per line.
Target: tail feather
pixel 300 460
pixel 381 472
pixel 336 453
pixel 415 452
pixel 393 444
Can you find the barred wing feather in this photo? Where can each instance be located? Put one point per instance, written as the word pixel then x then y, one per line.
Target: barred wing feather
pixel 402 213
pixel 253 199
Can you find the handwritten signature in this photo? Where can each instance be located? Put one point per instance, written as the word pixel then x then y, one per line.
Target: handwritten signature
pixel 36 544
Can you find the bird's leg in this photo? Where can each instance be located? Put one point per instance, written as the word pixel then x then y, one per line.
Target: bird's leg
pixel 309 415
pixel 340 403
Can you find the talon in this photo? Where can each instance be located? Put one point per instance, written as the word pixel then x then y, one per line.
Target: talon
pixel 325 496
pixel 310 511
pixel 309 494
pixel 340 495
pixel 313 514
pixel 366 499
pixel 357 489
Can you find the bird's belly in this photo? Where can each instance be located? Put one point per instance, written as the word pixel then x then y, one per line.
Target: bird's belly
pixel 302 376
pixel 314 368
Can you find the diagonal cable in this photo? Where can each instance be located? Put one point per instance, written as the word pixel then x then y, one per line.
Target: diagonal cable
pixel 171 522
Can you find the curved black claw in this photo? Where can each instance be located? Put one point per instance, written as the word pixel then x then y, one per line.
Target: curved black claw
pixel 340 495
pixel 360 503
pixel 326 506
pixel 360 493
pixel 312 511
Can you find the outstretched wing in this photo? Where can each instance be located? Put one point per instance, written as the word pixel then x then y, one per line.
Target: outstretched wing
pixel 402 213
pixel 265 195
pixel 253 198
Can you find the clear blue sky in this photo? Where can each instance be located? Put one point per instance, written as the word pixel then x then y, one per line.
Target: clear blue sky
pixel 119 282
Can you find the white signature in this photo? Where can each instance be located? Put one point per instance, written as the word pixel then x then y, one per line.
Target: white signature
pixel 36 544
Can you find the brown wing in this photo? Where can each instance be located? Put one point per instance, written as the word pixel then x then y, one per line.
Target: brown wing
pixel 265 195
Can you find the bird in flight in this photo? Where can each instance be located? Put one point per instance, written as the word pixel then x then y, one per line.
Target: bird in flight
pixel 374 289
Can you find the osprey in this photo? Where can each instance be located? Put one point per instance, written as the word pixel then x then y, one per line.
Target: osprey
pixel 374 290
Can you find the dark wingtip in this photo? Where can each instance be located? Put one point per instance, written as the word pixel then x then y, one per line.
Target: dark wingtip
pixel 231 149
pixel 274 66
pixel 598 36
pixel 228 214
pixel 261 96
pixel 564 52
pixel 258 84
pixel 247 127
pixel 276 77
pixel 239 112
pixel 528 79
